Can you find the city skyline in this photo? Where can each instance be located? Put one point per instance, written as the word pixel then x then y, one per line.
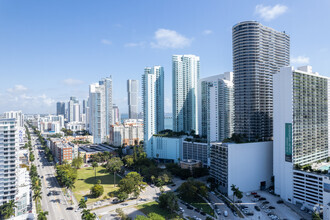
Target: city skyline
pixel 69 53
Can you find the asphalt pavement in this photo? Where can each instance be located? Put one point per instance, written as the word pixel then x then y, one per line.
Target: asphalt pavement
pixel 56 203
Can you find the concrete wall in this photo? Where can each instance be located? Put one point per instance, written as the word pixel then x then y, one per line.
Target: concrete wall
pixel 166 148
pixel 249 164
pixel 282 103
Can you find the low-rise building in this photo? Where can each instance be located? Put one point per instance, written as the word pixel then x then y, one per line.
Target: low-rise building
pixel 166 149
pixel 75 126
pixel 87 151
pixel 190 164
pixel 128 133
pixel 249 166
pixel 196 150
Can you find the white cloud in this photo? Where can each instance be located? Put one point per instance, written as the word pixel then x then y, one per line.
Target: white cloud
pixel 165 38
pixel 72 82
pixel 139 44
pixel 300 60
pixel 207 32
pixel 17 89
pixel 105 41
pixel 269 13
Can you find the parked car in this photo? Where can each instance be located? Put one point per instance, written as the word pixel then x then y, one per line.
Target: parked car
pixel 271 207
pixel 69 208
pixel 203 213
pixel 280 201
pixel 257 208
pixel 262 199
pixel 225 213
pixel 254 193
pixel 265 202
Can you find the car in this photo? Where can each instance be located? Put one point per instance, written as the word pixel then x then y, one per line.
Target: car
pixel 280 201
pixel 256 196
pixel 203 213
pixel 257 208
pixel 254 193
pixel 250 213
pixel 173 184
pixel 213 192
pixel 225 213
pixel 243 207
pixel 49 194
pixel 69 208
pixel 271 207
pixel 262 199
pixel 265 202
pixel 235 214
pixel 190 207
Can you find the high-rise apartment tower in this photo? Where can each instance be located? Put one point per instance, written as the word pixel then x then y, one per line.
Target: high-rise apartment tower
pixel 258 53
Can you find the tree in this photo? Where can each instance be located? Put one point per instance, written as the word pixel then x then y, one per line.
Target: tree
pixel 7 210
pixel 153 179
pixel 132 182
pixel 94 165
pixel 77 162
pixel 169 201
pixel 42 215
pixel 316 216
pixel 97 190
pixel 82 204
pixel 122 196
pixel 113 166
pixel 233 189
pixel 37 196
pixel 192 189
pixel 87 215
pixel 122 215
pixel 129 160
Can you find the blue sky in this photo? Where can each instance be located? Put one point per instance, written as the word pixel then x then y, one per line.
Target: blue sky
pixel 51 50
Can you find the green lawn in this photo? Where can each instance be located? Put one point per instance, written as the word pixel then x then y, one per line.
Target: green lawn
pixel 201 204
pixel 153 207
pixel 86 179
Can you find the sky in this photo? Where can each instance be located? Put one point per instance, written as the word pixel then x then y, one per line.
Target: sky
pixel 51 50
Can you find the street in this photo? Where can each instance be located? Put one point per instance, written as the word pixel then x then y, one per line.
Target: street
pixel 55 204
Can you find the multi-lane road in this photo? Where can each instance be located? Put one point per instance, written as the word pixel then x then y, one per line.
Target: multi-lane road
pixel 56 204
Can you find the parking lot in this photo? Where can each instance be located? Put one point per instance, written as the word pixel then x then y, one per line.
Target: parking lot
pixel 269 206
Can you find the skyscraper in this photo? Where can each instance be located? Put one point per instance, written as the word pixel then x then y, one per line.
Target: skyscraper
pixel 216 107
pixel 185 75
pixel 115 114
pixel 133 98
pixel 100 109
pixel 153 103
pixel 9 146
pixel 60 108
pixel 258 53
pixel 301 134
pixel 84 105
pixel 73 110
pixel 18 115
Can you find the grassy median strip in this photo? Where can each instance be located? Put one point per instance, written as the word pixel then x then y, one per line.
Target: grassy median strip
pixel 154 207
pixel 86 179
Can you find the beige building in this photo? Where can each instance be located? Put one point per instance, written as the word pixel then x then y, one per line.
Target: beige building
pixel 128 133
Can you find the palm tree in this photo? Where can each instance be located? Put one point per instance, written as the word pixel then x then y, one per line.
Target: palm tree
pixel 87 215
pixel 233 188
pixel 37 196
pixel 42 215
pixel 94 165
pixel 82 204
pixel 69 185
pixel 9 209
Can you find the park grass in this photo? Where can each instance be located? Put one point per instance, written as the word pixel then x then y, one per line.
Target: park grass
pixel 201 204
pixel 149 207
pixel 86 179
